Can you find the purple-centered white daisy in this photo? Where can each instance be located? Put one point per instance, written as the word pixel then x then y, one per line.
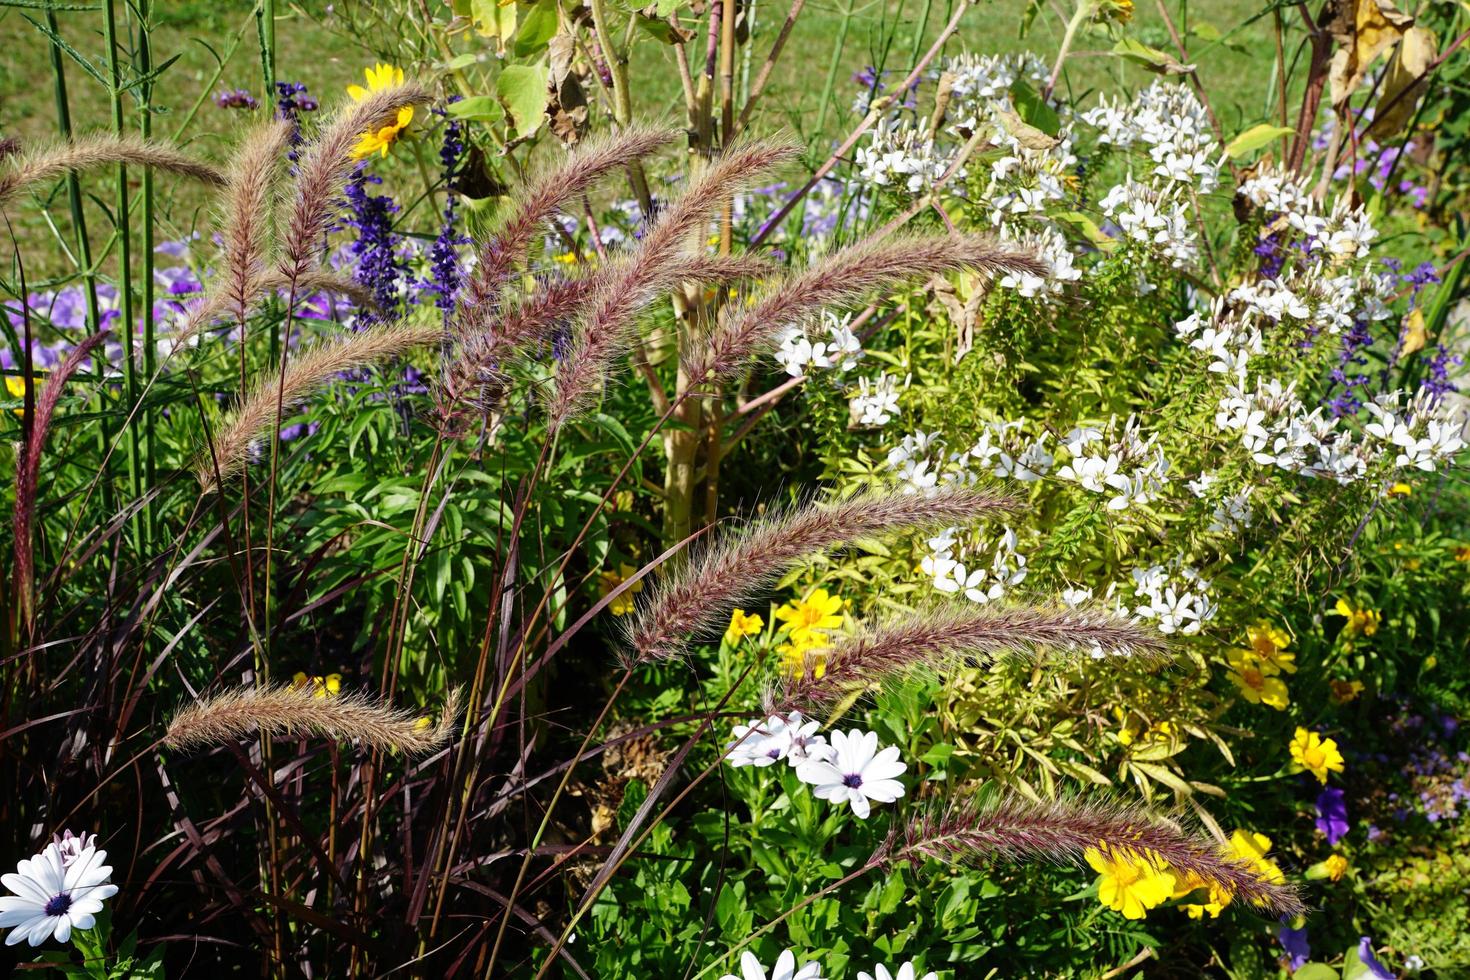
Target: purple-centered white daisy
pixel 856 773
pixel 55 892
pixel 785 969
pixel 905 972
pixel 790 737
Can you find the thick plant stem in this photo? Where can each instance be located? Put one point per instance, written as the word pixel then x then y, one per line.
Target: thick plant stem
pixel 84 259
pixel 124 267
pixel 617 66
pixel 1068 37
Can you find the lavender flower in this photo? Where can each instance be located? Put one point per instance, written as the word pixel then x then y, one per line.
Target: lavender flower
pixel 1354 343
pixel 378 265
pixel 443 259
pixel 236 98
pixel 1332 815
pixel 1375 968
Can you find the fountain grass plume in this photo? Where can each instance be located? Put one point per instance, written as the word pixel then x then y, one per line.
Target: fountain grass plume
pixel 845 277
pixel 603 334
pixel 480 356
pixel 250 202
pixel 326 163
pixel 217 304
pixel 84 153
pixel 1010 828
pixel 297 711
pixel 539 198
pixel 306 372
pixel 694 600
pixel 937 638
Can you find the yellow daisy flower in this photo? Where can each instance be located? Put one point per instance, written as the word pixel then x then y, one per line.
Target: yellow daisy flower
pixel 1359 620
pixel 742 624
pixel 1129 882
pixel 1256 680
pixel 328 686
pixel 609 580
pixel 1316 754
pixel 1269 643
pixel 1342 692
pixel 804 619
pixel 807 654
pixel 1336 866
pixel 380 77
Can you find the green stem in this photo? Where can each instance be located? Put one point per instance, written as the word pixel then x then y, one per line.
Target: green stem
pixel 84 259
pixel 124 265
pixel 832 68
pixel 1083 8
pixel 145 124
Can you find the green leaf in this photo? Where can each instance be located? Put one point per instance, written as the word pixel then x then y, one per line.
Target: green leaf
pixel 665 8
pixel 1254 138
pixel 1316 971
pixel 1151 58
pixel 460 61
pixel 537 29
pixel 522 90
pixel 482 107
pixel 1033 110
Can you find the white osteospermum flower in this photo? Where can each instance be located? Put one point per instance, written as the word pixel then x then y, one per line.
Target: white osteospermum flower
pixel 857 774
pixel 785 969
pixel 54 893
pixel 905 972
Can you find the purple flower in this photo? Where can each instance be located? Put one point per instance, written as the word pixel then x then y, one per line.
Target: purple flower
pixel 443 260
pixel 236 98
pixel 1332 815
pixel 1294 944
pixel 379 266
pixel 1375 968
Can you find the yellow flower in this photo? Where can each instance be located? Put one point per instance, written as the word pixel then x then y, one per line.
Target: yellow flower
pixel 328 686
pixel 1129 882
pixel 1116 11
pixel 805 618
pixel 1359 620
pixel 742 624
pixel 16 386
pixel 609 580
pixel 1462 553
pixel 798 657
pixel 1336 866
pixel 1246 847
pixel 1344 691
pixel 380 77
pixel 1257 681
pixel 1316 754
pixel 1270 643
pixel 1400 490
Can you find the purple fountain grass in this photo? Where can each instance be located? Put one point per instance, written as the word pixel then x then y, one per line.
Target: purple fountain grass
pixel 480 356
pixel 250 201
pixel 603 334
pixel 937 638
pixel 220 303
pixel 844 277
pixel 292 711
pixel 307 372
pixel 541 197
pixel 28 470
pixel 55 161
pixel 694 600
pixel 1013 828
pixel 325 165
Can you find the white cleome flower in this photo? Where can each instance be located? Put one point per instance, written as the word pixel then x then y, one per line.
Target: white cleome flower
pixel 785 969
pixel 857 774
pixel 905 972
pixel 54 893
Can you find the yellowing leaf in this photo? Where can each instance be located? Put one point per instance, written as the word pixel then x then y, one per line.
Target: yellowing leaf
pixel 1254 138
pixel 1415 335
pixel 494 19
pixel 1405 82
pixel 1363 29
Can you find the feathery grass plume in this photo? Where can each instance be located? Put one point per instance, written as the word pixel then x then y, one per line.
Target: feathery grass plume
pixel 249 204
pixel 642 276
pixel 218 303
pixel 306 372
pixel 480 356
pixel 86 152
pixel 538 198
pixel 325 165
pixel 936 638
pixel 293 711
pixel 28 470
pixel 1011 828
pixel 846 276
pixel 693 602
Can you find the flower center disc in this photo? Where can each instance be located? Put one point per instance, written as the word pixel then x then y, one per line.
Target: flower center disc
pixel 59 904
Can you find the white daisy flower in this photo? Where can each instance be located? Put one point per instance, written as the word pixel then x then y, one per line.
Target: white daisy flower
pixel 857 773
pixel 905 972
pixel 785 969
pixel 54 895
